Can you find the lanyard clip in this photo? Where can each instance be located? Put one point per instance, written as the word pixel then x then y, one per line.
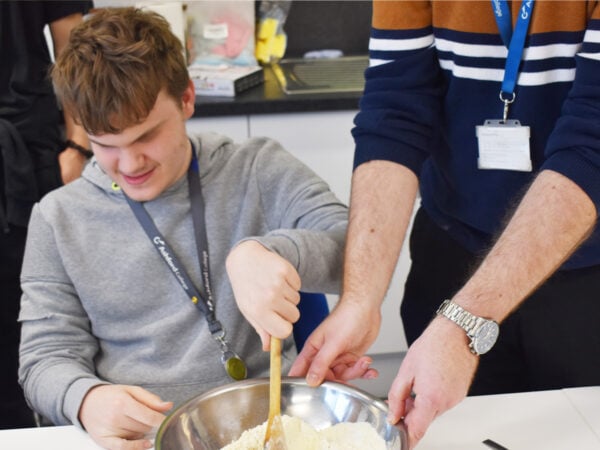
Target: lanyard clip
pixel 234 365
pixel 506 102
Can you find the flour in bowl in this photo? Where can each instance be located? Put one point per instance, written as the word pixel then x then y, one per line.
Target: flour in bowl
pixel 299 435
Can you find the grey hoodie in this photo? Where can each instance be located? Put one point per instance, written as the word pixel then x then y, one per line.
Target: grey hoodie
pixel 100 305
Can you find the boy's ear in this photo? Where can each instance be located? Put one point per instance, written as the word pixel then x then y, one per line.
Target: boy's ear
pixel 188 100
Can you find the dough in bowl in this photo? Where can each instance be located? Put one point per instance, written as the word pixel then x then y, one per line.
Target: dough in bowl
pixel 299 435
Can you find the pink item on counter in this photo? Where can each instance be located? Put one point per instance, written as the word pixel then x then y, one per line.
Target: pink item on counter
pixel 238 35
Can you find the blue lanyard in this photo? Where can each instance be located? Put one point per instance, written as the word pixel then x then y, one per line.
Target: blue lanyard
pixel 515 42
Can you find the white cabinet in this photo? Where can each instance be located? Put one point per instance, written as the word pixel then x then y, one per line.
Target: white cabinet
pixel 322 140
pixel 235 127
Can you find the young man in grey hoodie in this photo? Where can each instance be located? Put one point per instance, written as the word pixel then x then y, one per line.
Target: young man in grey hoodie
pixel 130 272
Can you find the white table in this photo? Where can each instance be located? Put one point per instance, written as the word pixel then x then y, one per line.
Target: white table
pixel 46 438
pixel 567 419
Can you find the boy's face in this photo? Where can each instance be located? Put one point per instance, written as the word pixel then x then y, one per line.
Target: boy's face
pixel 147 158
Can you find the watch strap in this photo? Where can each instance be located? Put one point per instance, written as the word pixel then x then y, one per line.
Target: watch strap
pixel 459 316
pixel 80 148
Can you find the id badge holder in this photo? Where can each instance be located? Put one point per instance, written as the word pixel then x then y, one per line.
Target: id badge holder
pixel 504 145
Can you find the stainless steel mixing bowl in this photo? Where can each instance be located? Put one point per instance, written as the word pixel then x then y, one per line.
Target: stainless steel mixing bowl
pixel 214 419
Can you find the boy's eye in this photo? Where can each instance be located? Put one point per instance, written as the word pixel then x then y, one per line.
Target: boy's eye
pixel 146 137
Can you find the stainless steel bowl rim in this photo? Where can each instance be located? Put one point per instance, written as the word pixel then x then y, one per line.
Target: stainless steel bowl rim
pixel 289 381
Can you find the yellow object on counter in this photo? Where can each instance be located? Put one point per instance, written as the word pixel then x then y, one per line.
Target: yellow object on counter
pixel 279 45
pixel 267 28
pixel 271 41
pixel 262 52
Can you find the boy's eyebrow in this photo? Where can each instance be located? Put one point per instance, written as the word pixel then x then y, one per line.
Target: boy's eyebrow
pixel 138 138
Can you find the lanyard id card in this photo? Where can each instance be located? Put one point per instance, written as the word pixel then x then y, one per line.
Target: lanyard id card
pixel 503 144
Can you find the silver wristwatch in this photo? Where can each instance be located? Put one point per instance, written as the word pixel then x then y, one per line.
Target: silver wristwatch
pixel 482 332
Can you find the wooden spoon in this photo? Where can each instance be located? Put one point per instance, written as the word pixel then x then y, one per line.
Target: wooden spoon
pixel 274 438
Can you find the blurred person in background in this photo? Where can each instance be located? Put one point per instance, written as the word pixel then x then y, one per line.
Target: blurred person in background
pixel 40 149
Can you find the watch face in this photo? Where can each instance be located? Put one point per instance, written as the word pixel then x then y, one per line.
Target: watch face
pixel 485 337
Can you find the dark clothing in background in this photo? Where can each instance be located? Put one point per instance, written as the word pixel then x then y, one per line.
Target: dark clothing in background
pixel 14 413
pixel 559 312
pixel 30 140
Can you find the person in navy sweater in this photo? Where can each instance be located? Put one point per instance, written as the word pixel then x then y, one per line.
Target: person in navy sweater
pixel 491 111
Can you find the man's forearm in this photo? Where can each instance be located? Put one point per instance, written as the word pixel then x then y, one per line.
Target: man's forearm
pixel 554 217
pixel 381 205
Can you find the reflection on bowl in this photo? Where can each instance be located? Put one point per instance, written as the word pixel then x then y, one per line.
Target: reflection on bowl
pixel 214 419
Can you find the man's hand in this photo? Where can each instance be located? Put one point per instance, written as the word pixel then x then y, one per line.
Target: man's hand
pixel 71 164
pixel 119 417
pixel 334 351
pixel 70 160
pixel 266 288
pixel 435 375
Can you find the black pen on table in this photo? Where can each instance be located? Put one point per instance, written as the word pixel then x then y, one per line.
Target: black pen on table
pixel 494 445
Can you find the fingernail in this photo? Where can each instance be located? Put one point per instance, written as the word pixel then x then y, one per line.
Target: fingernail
pixel 312 379
pixel 365 364
pixel 391 419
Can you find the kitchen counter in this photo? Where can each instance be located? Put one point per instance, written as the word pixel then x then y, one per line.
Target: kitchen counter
pixel 269 98
pixel 549 420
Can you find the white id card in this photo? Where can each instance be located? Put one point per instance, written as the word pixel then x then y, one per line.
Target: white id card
pixel 503 145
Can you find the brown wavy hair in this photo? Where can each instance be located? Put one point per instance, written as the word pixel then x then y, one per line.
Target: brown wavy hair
pixel 116 63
